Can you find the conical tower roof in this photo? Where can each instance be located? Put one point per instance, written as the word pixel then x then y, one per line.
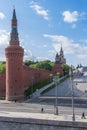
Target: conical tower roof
pixel 61 50
pixel 14 14
pixel 14 39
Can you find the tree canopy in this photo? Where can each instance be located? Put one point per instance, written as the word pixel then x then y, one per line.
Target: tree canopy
pixel 47 65
pixel 29 62
pixel 66 68
pixel 2 66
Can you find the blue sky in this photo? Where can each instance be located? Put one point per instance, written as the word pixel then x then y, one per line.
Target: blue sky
pixel 43 25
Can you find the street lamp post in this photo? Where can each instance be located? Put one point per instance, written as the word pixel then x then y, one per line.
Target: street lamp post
pixel 71 79
pixel 51 75
pixel 56 94
pixel 32 85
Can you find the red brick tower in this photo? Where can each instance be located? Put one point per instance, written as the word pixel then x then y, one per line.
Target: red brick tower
pixel 14 65
pixel 59 61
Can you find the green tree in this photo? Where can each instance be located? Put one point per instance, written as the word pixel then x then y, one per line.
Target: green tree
pixel 33 65
pixel 29 62
pixel 47 65
pixel 44 65
pixel 66 68
pixel 2 67
pixel 51 64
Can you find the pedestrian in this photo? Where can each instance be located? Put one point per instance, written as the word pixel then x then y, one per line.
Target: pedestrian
pixel 83 115
pixel 42 110
pixel 15 100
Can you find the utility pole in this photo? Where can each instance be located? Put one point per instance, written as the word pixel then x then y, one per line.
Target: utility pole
pixel 71 79
pixel 55 80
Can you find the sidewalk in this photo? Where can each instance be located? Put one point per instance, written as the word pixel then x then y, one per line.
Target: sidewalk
pixel 41 116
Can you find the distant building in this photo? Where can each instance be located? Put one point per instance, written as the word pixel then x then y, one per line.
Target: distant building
pixel 19 77
pixel 59 61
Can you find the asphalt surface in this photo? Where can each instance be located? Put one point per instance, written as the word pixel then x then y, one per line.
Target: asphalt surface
pixel 36 108
pixel 47 102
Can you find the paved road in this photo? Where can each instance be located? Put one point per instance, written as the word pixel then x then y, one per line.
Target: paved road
pixel 36 108
pixel 35 105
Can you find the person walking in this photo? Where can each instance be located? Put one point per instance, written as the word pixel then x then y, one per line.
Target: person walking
pixel 42 110
pixel 83 115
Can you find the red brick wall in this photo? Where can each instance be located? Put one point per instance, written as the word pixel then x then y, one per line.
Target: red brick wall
pixel 27 77
pixel 32 76
pixel 58 68
pixel 2 85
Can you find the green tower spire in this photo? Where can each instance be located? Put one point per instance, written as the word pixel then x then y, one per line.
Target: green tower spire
pixel 14 32
pixel 14 14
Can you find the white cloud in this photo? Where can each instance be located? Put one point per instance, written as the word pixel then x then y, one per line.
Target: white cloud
pixel 4 40
pixel 27 54
pixel 40 10
pixel 2 16
pixel 60 39
pixel 70 47
pixel 82 56
pixel 4 37
pixel 83 40
pixel 51 53
pixel 83 16
pixel 42 58
pixel 70 17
